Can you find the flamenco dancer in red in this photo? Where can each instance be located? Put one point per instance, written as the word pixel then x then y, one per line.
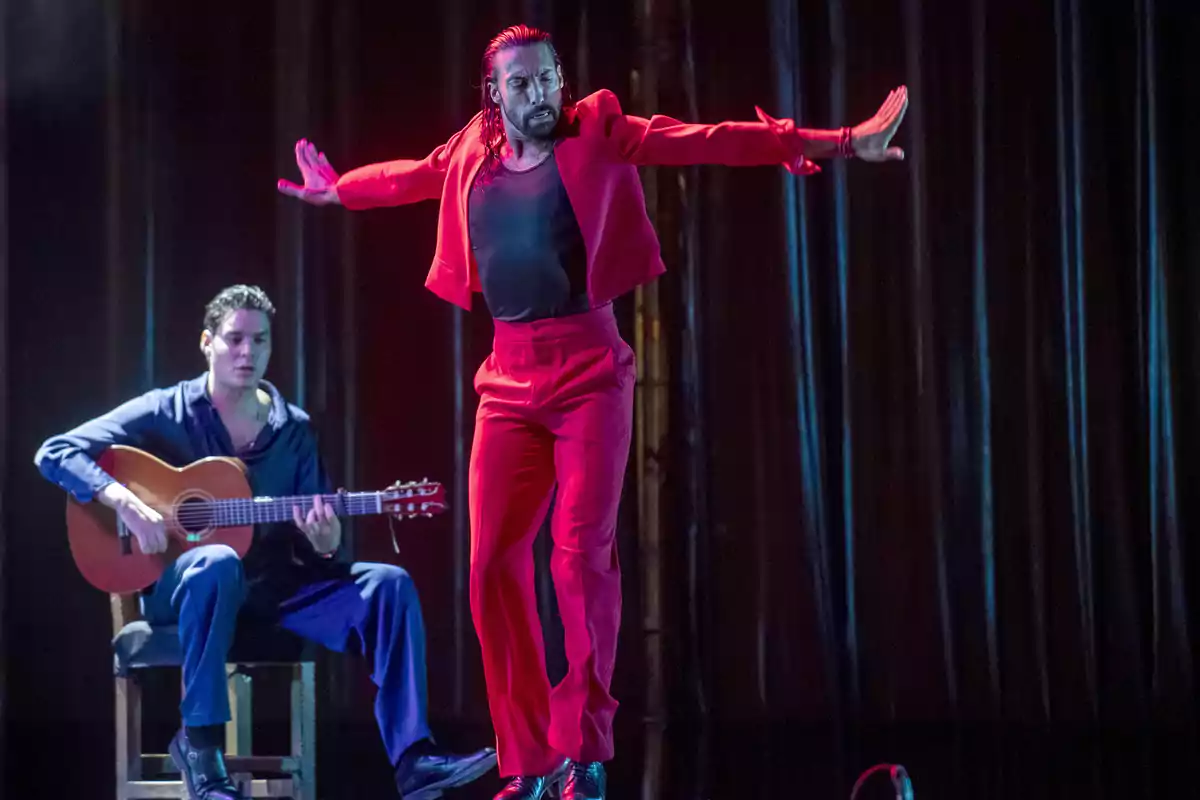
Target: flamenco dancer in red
pixel 542 211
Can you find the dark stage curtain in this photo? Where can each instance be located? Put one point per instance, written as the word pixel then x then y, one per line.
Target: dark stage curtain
pixel 912 478
pixel 950 403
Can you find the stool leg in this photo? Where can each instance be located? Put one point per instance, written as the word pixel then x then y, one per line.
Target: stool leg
pixel 239 730
pixel 128 734
pixel 304 730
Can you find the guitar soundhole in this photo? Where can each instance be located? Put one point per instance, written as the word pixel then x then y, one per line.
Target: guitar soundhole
pixel 195 517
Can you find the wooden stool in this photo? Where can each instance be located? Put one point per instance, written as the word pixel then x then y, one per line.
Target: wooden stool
pixel 138 646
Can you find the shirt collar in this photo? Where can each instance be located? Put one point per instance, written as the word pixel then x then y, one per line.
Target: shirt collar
pixel 196 393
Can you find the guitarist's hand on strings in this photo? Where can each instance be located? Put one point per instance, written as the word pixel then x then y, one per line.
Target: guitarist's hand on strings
pixel 320 525
pixel 143 522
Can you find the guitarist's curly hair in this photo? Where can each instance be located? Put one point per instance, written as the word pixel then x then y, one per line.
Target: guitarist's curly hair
pixel 236 298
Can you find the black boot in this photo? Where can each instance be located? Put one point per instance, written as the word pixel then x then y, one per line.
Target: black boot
pixel 534 787
pixel 203 770
pixel 424 771
pixel 585 782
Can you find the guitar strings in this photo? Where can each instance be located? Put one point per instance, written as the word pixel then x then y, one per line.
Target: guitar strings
pixel 234 510
pixel 332 499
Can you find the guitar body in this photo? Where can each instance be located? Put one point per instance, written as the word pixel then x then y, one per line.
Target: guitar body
pixel 92 528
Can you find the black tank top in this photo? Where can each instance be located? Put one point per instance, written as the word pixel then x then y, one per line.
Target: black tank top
pixel 528 247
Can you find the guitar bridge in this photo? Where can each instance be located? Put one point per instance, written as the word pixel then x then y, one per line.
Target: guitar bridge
pixel 123 533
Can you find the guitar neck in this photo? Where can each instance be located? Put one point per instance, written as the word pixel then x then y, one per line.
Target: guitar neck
pixel 252 511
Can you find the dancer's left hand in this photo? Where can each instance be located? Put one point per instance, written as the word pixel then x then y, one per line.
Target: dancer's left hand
pixel 871 139
pixel 320 525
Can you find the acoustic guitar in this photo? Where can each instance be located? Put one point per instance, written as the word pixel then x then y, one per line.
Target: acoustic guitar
pixel 206 502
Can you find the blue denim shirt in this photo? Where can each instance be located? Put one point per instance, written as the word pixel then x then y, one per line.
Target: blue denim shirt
pixel 179 425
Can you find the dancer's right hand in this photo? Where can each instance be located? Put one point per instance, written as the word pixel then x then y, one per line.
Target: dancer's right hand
pixel 320 180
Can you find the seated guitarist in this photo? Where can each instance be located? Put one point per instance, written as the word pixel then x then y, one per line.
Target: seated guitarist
pixel 287 577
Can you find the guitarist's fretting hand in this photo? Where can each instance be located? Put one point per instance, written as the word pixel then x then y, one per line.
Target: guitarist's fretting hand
pixel 320 525
pixel 143 522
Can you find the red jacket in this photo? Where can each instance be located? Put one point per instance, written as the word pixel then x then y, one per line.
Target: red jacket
pixel 597 159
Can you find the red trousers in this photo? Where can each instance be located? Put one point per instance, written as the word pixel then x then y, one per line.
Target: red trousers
pixel 555 408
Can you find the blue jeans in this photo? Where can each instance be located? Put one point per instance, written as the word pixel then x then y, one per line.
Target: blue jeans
pixel 370 608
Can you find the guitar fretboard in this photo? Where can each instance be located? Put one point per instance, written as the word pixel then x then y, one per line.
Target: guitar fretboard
pixel 231 513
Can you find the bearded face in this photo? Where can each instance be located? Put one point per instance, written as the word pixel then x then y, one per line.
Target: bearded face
pixel 527 84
